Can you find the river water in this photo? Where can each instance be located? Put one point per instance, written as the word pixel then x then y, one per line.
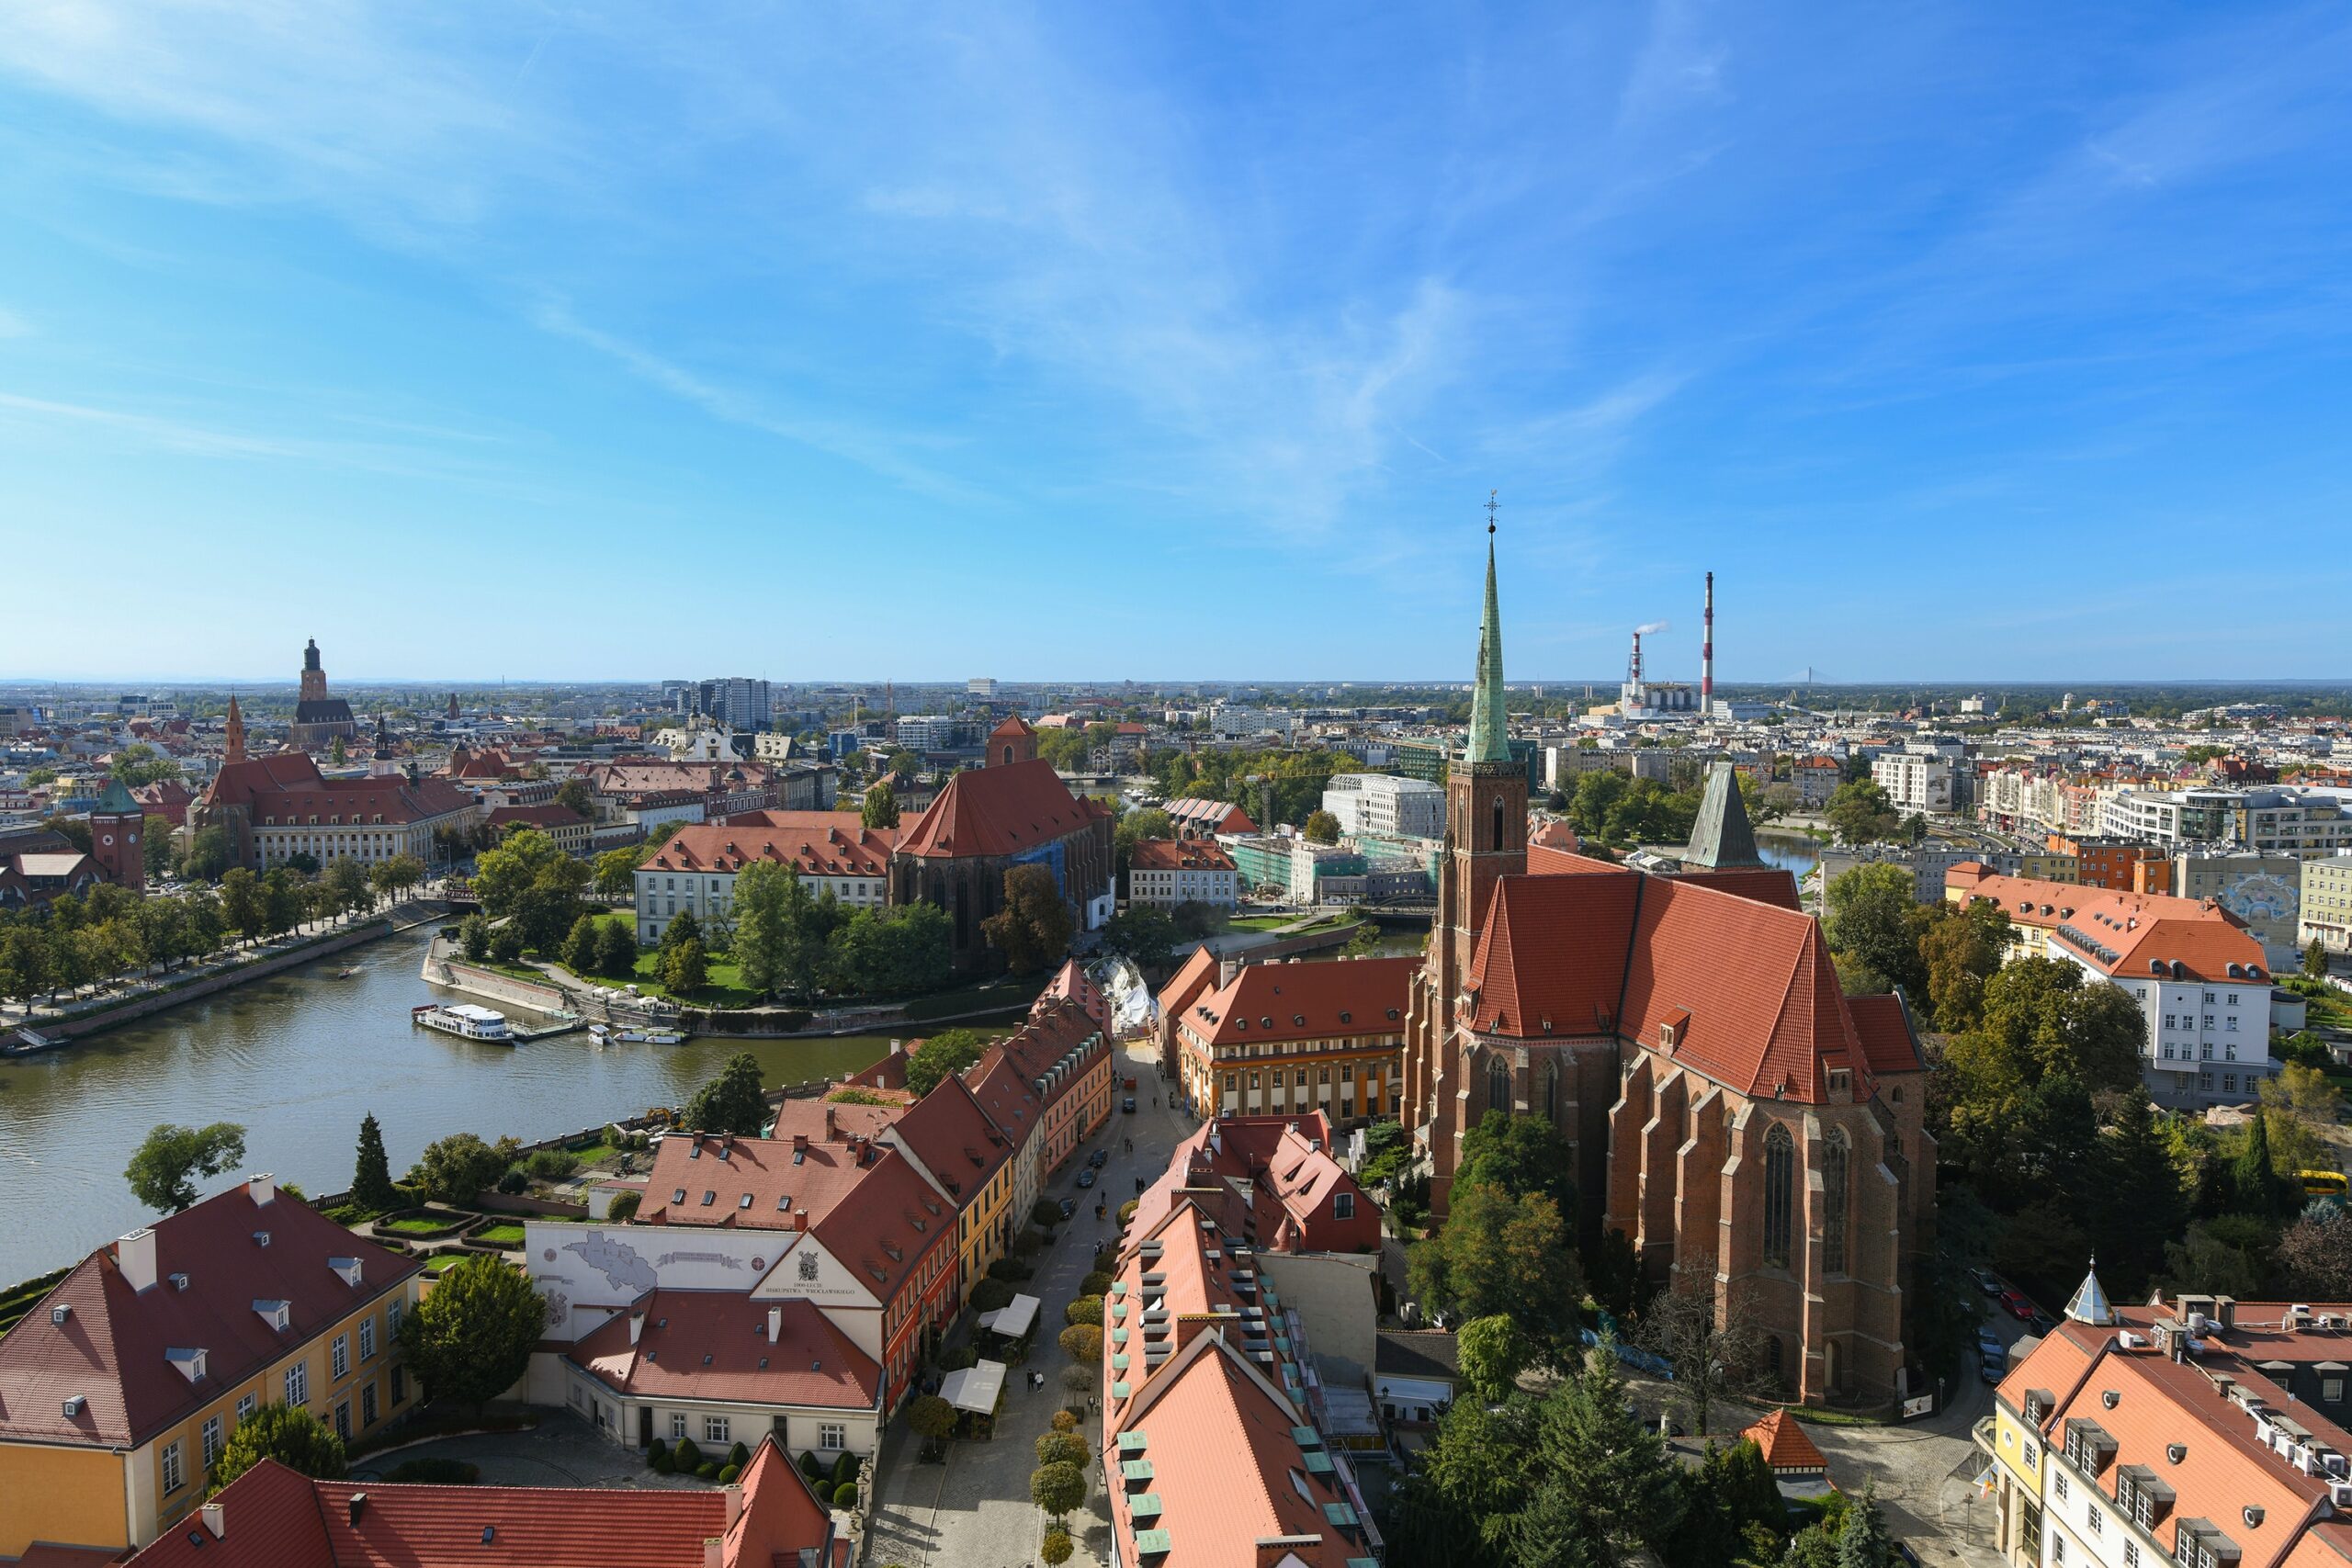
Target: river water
pixel 298 1059
pixel 1792 853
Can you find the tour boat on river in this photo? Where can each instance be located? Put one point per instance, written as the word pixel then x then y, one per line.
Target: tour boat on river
pixel 464 1018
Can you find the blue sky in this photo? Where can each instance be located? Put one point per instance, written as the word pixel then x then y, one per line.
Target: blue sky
pixel 1962 341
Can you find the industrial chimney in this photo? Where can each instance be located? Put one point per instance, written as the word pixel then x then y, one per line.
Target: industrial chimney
pixel 1634 670
pixel 1707 656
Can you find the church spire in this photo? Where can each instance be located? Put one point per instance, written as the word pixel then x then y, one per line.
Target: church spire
pixel 1489 736
pixel 236 749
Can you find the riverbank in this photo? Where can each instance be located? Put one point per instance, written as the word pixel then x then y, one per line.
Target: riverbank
pixel 298 1058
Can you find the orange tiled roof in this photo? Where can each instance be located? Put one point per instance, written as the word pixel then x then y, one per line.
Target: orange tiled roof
pixel 1276 1003
pixel 822 843
pixel 1000 811
pixel 1785 1444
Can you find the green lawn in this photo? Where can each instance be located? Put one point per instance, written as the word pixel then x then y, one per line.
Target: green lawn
pixel 500 1236
pixel 412 1226
pixel 443 1264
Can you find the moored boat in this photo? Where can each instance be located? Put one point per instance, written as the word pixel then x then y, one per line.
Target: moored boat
pixel 465 1020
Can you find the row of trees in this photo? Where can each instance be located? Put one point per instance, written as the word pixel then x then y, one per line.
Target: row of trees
pixel 77 942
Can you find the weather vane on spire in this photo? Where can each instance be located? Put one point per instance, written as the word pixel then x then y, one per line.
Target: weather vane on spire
pixel 1491 504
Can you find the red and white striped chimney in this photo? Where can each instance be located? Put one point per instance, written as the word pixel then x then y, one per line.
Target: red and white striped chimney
pixel 1707 653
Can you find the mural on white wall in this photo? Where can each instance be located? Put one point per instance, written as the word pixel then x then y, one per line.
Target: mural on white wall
pixel 588 1273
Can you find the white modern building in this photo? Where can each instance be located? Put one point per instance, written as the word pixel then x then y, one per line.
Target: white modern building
pixel 1385 805
pixel 925 733
pixel 2325 910
pixel 1915 782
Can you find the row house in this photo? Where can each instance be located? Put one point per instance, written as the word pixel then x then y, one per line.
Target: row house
pixel 1288 1037
pixel 694 869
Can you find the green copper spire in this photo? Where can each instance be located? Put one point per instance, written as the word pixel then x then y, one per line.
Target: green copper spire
pixel 1489 740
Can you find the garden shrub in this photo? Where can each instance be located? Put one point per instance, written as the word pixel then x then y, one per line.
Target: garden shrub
pixel 727 1472
pixel 961 1358
pixel 662 1465
pixel 1064 1421
pixel 514 1181
pixel 1010 1269
pixel 1045 1211
pixel 845 1495
pixel 739 1456
pixel 689 1456
pixel 710 1471
pixel 551 1165
pixel 845 1467
pixel 811 1467
pixel 990 1294
pixel 1096 1284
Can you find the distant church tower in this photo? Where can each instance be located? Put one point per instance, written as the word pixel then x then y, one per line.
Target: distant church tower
pixel 235 751
pixel 115 824
pixel 1485 839
pixel 314 680
pixel 382 762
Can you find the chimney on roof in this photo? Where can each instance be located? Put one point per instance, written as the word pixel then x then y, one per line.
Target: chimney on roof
pixel 635 1326
pixel 734 1491
pixel 775 1322
pixel 135 1255
pixel 1227 968
pixel 355 1506
pixel 263 1186
pixel 801 1219
pixel 714 1552
pixel 216 1519
pixel 799 1143
pixel 829 1120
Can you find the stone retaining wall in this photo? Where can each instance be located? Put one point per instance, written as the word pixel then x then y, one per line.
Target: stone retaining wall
pixel 211 984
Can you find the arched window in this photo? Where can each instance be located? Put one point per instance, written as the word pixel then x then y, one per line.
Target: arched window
pixel 1497 842
pixel 1498 1085
pixel 1552 1092
pixel 1007 756
pixel 1834 1160
pixel 1779 1184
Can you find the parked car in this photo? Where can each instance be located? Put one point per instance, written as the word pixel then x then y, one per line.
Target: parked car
pixel 2041 1321
pixel 1086 1176
pixel 1986 1280
pixel 1992 1370
pixel 1099 1158
pixel 2017 1306
pixel 1989 1344
pixel 1069 1207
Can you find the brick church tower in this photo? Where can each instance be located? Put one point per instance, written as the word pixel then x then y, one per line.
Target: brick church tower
pixel 234 751
pixel 1485 839
pixel 117 822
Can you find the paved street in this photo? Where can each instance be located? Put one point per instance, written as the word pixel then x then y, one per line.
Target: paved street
pixel 974 1511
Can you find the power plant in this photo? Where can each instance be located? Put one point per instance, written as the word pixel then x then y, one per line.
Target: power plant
pixel 1707 654
pixel 1640 698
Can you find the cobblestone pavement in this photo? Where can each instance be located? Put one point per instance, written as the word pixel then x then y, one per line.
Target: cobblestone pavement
pixel 974 1511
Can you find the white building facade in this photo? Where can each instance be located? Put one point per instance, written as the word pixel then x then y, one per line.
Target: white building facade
pixel 1385 805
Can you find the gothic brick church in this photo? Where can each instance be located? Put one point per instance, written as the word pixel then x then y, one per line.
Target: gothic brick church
pixel 1753 1133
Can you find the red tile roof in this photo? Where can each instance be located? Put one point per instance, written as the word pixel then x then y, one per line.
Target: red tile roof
pixel 548 815
pixel 1000 811
pixel 1306 1000
pixel 1785 1444
pixel 2129 931
pixel 1180 854
pixel 870 1208
pixel 289 785
pixel 1749 986
pixel 1204 816
pixel 273 1517
pixel 111 1350
pixel 713 1344
pixel 1766 884
pixel 955 1139
pixel 822 843
pixel 1889 1042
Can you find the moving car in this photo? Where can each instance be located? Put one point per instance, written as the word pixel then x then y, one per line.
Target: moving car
pixel 1128 1105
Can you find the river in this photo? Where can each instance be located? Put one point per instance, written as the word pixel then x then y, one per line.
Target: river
pixel 1792 853
pixel 298 1059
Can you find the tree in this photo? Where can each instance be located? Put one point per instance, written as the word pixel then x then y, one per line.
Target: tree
pixel 1058 1489
pixel 931 1417
pixel 1520 1154
pixel 155 845
pixel 580 948
pixel 473 937
pixel 1057 1549
pixel 1063 1447
pixel 241 904
pixel 1716 1353
pixel 684 929
pixel 1320 827
pixel 1493 1352
pixel 24 963
pixel 576 794
pixel 735 1102
pixel 949 1051
pixel 2316 1253
pixel 615 948
pixel 1082 1343
pixel 1874 923
pixel 1501 1253
pixel 470 1339
pixel 205 856
pixel 345 885
pixel 616 873
pixel 2315 959
pixel 1033 929
pixel 1142 935
pixel 2221 1257
pixel 454 1169
pixel 371 1175
pixel 1861 813
pixel 1963 949
pixel 880 808
pixel 1864 1542
pixel 1608 1487
pixel 2252 1176
pixel 291 1436
pixel 2141 1204
pixel 685 969
pixel 164 1169
pixel 506 942
pixel 769 947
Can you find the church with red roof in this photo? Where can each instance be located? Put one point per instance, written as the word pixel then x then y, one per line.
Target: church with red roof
pixel 1752 1131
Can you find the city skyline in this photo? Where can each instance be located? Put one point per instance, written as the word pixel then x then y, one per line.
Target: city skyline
pixel 576 348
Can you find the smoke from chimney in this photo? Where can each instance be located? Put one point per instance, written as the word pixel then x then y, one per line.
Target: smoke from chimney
pixel 1654 626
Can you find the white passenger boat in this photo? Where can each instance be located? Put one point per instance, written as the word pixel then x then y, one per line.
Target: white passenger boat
pixel 464 1018
pixel 653 1036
